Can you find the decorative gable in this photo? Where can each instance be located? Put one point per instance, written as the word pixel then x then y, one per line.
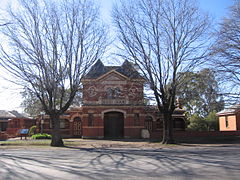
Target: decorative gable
pixel 112 76
pixel 126 70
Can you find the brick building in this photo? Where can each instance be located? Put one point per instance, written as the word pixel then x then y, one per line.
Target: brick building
pixel 4 117
pixel 113 106
pixel 12 121
pixel 229 119
pixel 7 116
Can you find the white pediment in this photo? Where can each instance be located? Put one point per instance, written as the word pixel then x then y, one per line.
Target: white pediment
pixel 112 76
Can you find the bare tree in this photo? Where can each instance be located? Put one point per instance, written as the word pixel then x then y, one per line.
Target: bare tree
pixel 226 52
pixel 51 46
pixel 163 37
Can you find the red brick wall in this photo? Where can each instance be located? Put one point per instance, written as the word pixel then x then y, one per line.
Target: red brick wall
pixel 97 130
pixel 15 124
pixel 196 134
pixel 3 136
pixel 93 90
pixel 232 123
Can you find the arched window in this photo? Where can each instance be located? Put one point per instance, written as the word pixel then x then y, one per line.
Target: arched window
pixel 148 123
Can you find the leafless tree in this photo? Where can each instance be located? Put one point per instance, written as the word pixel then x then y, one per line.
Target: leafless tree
pixel 226 52
pixel 51 45
pixel 163 37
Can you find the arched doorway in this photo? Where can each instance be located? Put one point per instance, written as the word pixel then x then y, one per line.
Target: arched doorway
pixel 77 127
pixel 113 125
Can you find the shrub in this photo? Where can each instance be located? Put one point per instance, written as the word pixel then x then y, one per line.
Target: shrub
pixel 41 136
pixel 32 130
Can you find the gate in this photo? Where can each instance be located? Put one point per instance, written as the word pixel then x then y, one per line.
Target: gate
pixel 113 125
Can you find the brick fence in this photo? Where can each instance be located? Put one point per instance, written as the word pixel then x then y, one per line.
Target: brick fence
pixel 196 134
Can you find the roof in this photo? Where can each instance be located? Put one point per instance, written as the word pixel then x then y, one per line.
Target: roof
pixel 230 110
pixel 127 69
pixel 10 114
pixel 6 114
pixel 17 114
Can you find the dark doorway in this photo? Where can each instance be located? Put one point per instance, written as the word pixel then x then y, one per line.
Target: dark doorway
pixel 113 125
pixel 179 124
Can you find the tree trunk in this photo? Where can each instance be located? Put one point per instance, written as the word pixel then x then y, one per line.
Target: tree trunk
pixel 56 134
pixel 167 129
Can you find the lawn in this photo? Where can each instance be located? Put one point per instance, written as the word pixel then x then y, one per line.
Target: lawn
pixel 31 142
pixel 123 143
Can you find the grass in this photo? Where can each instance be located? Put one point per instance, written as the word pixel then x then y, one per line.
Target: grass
pixel 26 143
pixel 124 143
pixel 31 142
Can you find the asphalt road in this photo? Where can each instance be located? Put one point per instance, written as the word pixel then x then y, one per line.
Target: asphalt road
pixel 180 162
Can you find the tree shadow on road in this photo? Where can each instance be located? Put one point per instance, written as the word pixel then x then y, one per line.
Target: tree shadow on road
pixel 117 163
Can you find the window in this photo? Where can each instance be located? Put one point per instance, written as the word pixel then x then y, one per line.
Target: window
pixel 226 122
pixel 148 123
pixel 136 119
pixel 4 126
pixel 90 119
pixel 62 123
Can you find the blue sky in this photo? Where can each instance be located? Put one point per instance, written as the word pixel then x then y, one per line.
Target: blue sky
pixel 10 98
pixel 216 8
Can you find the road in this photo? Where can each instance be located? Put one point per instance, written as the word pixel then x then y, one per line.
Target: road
pixel 173 162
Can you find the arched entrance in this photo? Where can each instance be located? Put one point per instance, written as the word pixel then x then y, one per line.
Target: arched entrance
pixel 77 127
pixel 113 125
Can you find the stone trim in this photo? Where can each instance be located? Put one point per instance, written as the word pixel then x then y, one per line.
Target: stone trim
pixel 74 116
pixel 130 127
pixel 89 127
pixel 115 110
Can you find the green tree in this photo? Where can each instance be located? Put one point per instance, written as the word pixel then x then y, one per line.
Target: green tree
pixel 212 121
pixel 197 123
pixel 199 92
pixel 31 104
pixel 200 95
